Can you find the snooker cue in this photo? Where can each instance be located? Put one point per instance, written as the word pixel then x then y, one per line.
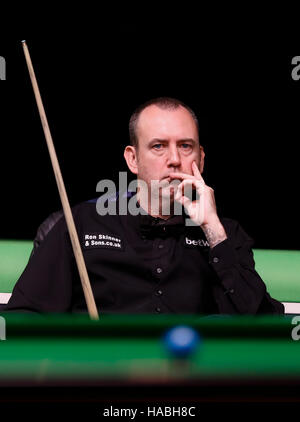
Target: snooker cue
pixel 85 282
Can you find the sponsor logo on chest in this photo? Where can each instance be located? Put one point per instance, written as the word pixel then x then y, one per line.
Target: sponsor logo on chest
pixel 100 240
pixel 196 242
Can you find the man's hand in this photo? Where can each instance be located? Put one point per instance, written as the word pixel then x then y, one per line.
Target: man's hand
pixel 202 211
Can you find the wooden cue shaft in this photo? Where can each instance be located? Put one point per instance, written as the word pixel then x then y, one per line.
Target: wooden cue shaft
pixel 89 297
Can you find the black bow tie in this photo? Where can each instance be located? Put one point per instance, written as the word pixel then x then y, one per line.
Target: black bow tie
pixel 152 229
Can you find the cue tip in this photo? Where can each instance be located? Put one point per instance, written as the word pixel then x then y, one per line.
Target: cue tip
pixel 23 41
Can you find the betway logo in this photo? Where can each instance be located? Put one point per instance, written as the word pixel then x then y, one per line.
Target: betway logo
pixel 196 242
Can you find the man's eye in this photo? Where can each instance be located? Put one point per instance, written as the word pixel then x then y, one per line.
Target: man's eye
pixel 186 146
pixel 157 146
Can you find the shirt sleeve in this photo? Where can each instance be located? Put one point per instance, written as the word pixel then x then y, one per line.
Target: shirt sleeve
pixel 46 283
pixel 241 290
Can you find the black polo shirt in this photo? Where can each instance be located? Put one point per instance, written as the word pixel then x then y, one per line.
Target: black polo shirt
pixel 139 264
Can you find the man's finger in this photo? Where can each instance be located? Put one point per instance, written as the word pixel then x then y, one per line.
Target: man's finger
pixel 196 172
pixel 196 183
pixel 182 199
pixel 178 175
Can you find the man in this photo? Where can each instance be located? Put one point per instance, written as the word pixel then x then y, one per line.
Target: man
pixel 158 261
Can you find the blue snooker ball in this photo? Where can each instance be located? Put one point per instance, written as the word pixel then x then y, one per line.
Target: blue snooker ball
pixel 181 341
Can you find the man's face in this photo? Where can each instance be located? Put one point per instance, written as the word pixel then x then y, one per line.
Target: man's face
pixel 167 142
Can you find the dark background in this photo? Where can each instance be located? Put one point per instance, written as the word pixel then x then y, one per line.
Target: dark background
pixel 237 81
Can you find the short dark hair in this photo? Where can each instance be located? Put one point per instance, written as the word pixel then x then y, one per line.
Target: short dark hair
pixel 165 103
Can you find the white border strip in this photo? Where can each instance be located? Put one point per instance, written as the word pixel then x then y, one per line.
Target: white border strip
pixel 4 297
pixel 291 307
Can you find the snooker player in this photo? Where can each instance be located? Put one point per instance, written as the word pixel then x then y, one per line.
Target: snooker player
pixel 151 262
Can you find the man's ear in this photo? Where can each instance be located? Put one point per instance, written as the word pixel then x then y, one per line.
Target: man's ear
pixel 202 156
pixel 130 156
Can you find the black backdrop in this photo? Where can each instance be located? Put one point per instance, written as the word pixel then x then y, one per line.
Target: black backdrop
pixel 239 84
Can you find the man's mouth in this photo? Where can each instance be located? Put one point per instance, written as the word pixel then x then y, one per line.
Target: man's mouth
pixel 169 182
pixel 168 178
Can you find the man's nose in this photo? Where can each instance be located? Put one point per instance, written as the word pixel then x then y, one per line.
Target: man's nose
pixel 174 157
